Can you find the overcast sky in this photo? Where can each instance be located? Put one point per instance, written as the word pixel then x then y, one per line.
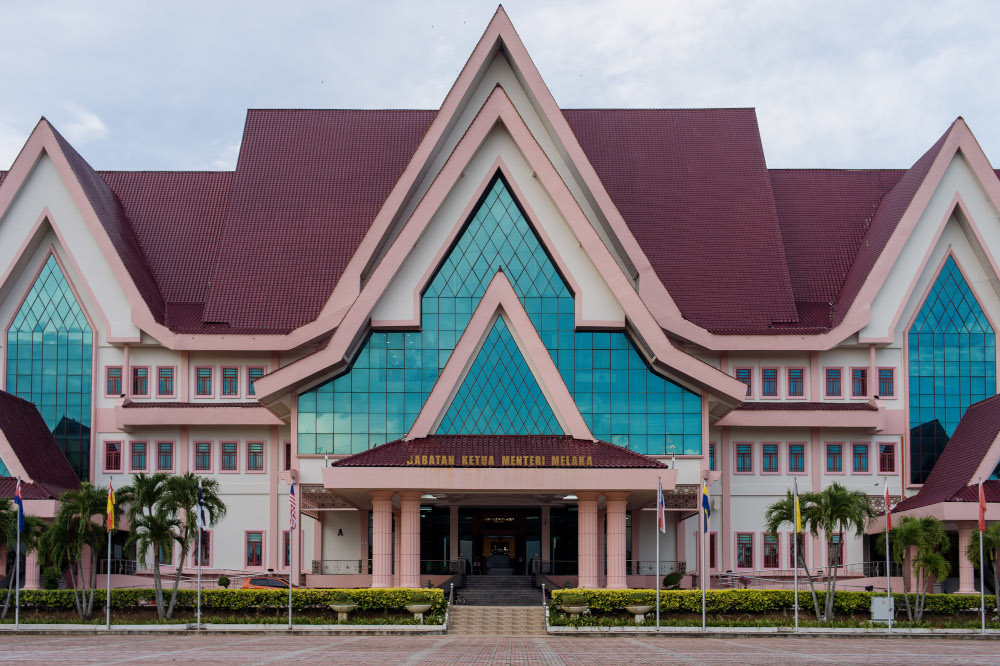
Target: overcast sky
pixel 166 85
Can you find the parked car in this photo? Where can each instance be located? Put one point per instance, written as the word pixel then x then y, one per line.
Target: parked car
pixel 264 583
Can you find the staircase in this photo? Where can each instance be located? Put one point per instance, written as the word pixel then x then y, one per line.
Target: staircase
pixel 497 620
pixel 501 591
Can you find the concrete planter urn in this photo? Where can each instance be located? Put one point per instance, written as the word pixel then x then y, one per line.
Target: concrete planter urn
pixel 639 612
pixel 343 610
pixel 418 611
pixel 573 611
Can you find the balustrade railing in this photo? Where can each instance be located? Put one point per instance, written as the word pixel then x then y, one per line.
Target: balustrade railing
pixel 118 567
pixel 648 567
pixel 341 567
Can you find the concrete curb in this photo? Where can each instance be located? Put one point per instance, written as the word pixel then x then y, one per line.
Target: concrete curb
pixel 227 629
pixel 784 632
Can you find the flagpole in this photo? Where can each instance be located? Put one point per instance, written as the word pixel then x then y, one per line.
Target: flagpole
pixel 107 599
pixel 795 550
pixel 656 531
pixel 982 569
pixel 17 578
pixel 291 568
pixel 704 568
pixel 199 574
pixel 888 569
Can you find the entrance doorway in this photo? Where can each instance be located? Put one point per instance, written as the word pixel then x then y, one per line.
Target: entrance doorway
pixel 498 541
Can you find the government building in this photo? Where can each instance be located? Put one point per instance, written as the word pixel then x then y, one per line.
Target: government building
pixel 477 338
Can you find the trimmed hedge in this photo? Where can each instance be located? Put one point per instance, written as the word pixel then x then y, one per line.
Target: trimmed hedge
pixel 758 601
pixel 393 598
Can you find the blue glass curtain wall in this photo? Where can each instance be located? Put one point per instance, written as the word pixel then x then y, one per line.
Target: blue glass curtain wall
pixel 49 350
pixel 952 364
pixel 377 399
pixel 3 469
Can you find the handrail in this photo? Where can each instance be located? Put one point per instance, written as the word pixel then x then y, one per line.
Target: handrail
pixel 543 594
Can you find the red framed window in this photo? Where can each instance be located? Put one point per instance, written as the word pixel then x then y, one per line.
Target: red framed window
pixel 230 381
pixel 835 550
pixel 887 458
pixel 797 458
pixel 255 549
pixel 744 551
pixel 859 382
pixel 113 380
pixel 769 383
pixel 230 457
pixel 769 458
pixel 796 382
pixel 744 457
pixel 206 548
pixel 164 456
pixel 711 456
pixel 286 550
pixel 834 458
pixel 859 458
pixel 164 381
pixel 797 558
pixel 139 456
pixel 713 550
pixel 886 383
pixel 833 389
pixel 203 456
pixel 203 381
pixel 255 456
pixel 140 381
pixel 745 375
pixel 772 556
pixel 253 374
pixel 112 456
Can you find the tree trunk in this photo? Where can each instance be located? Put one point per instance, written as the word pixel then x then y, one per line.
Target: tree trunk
pixel 180 568
pixel 10 586
pixel 158 587
pixel 831 580
pixel 76 595
pixel 812 587
pixel 93 581
pixel 996 582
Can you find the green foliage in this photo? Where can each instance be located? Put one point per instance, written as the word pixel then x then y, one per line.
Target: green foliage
pixel 224 582
pixel 50 578
pixel 672 581
pixel 571 599
pixel 340 598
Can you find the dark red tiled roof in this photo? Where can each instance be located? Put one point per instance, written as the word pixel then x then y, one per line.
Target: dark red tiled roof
pixel 693 187
pixel 961 457
pixel 29 491
pixel 991 489
pixel 35 447
pixel 397 453
pixel 128 404
pixel 792 406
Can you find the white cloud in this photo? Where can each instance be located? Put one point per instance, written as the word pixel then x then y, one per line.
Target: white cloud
pixel 225 159
pixel 84 126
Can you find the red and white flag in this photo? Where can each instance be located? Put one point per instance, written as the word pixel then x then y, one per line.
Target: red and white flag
pixel 661 508
pixel 291 507
pixel 888 507
pixel 982 507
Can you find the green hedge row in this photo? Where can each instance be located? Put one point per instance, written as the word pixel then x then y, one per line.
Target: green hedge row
pixel 237 600
pixel 756 601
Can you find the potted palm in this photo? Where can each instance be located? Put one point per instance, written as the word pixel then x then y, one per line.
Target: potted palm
pixel 342 603
pixel 420 603
pixel 637 608
pixel 574 604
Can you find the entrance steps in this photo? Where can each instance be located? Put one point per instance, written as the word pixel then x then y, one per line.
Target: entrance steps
pixel 496 621
pixel 501 591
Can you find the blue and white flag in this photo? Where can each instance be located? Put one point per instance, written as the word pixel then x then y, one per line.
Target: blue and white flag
pixel 202 523
pixel 20 506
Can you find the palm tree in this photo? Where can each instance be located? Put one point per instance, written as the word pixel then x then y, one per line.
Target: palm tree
pixel 142 503
pixel 154 533
pixel 836 510
pixel 782 513
pixel 74 529
pixel 34 527
pixel 991 554
pixel 927 535
pixel 181 499
pixel 904 535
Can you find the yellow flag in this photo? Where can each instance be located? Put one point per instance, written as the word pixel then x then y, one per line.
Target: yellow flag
pixel 111 507
pixel 798 511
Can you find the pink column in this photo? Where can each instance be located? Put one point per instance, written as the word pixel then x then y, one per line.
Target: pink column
pixel 32 572
pixel 409 556
pixel 382 538
pixel 397 548
pixel 616 502
pixel 587 542
pixel 966 572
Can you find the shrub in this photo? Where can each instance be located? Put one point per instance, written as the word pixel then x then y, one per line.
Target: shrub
pixel 50 579
pixel 224 582
pixel 422 597
pixel 573 600
pixel 340 598
pixel 672 581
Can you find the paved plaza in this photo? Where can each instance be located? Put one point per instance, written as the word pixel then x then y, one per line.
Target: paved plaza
pixel 490 650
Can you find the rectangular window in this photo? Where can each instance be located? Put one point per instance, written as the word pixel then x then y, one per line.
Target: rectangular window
pixel 255 549
pixel 230 381
pixel 255 456
pixel 744 551
pixel 138 456
pixel 206 548
pixel 713 545
pixel 203 456
pixel 113 381
pixel 797 458
pixel 887 458
pixel 769 383
pixel 796 383
pixel 835 458
pixel 859 458
pixel 203 381
pixel 833 382
pixel 286 555
pixel 769 458
pixel 253 374
pixel 711 456
pixel 835 550
pixel 859 382
pixel 140 381
pixel 112 456
pixel 797 557
pixel 164 456
pixel 886 382
pixel 288 456
pixel 165 382
pixel 165 557
pixel 744 458
pixel 230 456
pixel 745 375
pixel 772 556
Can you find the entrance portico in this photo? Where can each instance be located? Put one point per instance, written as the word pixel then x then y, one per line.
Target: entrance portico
pixel 494 487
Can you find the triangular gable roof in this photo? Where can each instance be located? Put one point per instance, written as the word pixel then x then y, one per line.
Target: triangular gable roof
pixel 34 454
pixel 972 451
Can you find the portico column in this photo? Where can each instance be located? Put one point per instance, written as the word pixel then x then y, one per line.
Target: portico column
pixel 587 543
pixel 409 556
pixel 616 502
pixel 382 538
pixel 546 553
pixel 966 572
pixel 32 572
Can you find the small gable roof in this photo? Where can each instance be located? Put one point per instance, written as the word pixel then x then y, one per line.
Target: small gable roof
pixel 34 446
